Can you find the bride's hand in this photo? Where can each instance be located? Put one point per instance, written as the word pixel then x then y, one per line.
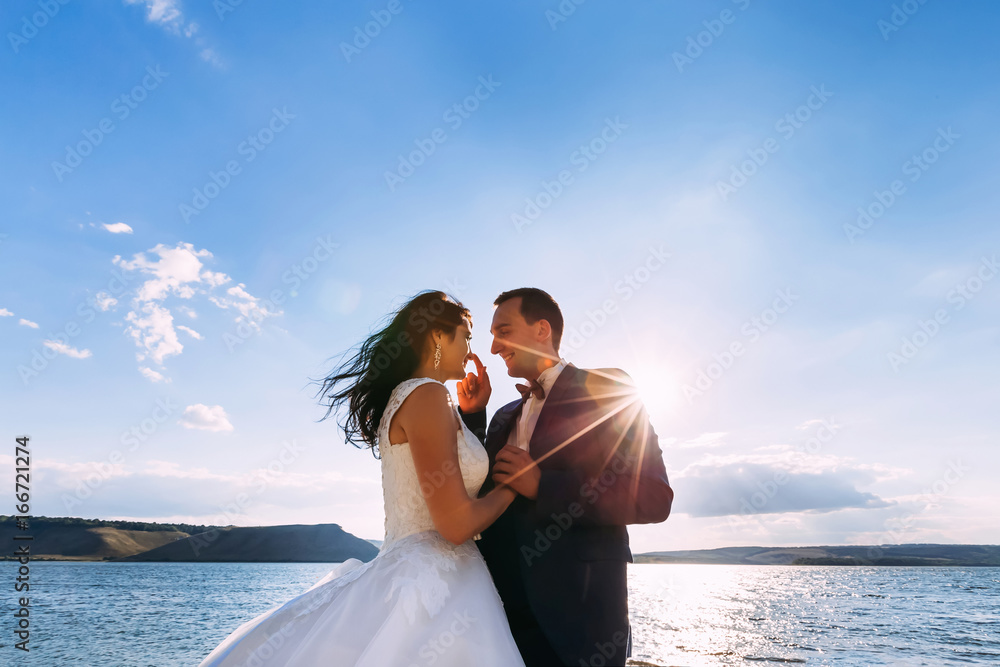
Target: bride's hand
pixel 474 390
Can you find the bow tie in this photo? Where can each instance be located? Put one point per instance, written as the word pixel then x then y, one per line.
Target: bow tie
pixel 534 388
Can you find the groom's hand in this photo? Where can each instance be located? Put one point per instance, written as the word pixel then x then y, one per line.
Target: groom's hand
pixel 474 389
pixel 515 468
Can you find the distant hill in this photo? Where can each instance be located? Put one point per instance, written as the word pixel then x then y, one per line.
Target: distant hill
pixel 322 543
pixel 886 554
pixel 72 538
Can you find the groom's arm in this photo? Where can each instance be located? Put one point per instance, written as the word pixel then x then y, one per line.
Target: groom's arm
pixel 623 481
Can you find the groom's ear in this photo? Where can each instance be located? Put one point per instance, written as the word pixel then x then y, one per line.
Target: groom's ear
pixel 543 330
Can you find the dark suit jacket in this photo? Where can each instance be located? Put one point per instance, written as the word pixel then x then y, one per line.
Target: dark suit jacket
pixel 562 556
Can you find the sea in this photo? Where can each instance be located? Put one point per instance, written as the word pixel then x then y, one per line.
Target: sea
pixel 165 614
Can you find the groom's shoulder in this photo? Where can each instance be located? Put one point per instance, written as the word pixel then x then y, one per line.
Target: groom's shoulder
pixel 509 408
pixel 603 383
pixel 605 376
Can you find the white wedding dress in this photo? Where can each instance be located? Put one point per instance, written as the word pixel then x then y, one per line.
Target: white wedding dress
pixel 421 601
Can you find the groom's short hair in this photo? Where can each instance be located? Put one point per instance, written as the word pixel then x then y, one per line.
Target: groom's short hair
pixel 537 305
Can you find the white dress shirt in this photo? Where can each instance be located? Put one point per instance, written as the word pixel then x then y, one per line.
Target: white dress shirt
pixel 521 436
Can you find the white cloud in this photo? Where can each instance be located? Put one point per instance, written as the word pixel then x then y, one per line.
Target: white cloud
pixel 117 228
pixel 178 272
pixel 152 375
pixel 68 350
pixel 162 12
pixel 154 333
pixel 248 306
pixel 154 489
pixel 104 301
pixel 27 323
pixel 778 479
pixel 189 331
pixel 205 418
pixel 5 313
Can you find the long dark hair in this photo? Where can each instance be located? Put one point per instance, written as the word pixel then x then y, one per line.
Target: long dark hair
pixel 365 380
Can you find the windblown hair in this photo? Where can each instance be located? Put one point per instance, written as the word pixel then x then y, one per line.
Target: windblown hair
pixel 365 380
pixel 537 305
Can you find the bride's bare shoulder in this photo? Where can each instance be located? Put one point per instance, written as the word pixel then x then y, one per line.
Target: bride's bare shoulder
pixel 429 401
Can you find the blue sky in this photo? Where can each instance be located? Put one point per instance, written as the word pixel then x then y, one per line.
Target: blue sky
pixel 205 207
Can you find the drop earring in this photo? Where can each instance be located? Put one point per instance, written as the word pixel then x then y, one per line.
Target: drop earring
pixel 437 355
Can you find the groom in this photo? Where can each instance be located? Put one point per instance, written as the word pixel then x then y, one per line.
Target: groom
pixel 579 450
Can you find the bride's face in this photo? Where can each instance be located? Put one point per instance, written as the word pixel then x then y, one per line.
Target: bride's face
pixel 456 350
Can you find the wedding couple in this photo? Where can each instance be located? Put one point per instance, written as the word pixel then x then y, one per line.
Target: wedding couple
pixel 513 553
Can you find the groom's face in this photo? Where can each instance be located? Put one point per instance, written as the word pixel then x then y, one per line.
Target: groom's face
pixel 515 341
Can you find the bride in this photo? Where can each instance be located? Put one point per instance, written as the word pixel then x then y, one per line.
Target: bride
pixel 427 597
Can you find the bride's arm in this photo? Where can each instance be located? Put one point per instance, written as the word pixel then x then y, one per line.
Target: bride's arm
pixel 431 428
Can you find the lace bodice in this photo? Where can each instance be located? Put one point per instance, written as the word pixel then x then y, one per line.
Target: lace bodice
pixel 406 511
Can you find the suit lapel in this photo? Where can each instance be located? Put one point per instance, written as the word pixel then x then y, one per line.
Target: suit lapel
pixel 539 444
pixel 499 435
pixel 496 437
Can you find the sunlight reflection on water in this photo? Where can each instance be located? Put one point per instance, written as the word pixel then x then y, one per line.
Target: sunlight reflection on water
pixel 731 614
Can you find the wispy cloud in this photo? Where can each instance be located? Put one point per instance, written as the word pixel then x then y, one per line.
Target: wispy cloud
pixel 27 323
pixel 68 350
pixel 190 332
pixel 704 440
pixel 251 312
pixel 205 418
pixel 168 15
pixel 5 313
pixel 212 58
pixel 165 13
pixel 117 228
pixel 152 375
